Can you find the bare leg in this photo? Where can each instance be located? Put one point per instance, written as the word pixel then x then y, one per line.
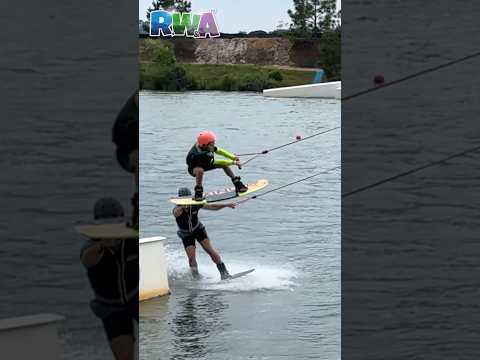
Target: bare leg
pixel 228 171
pixel 198 173
pixel 192 261
pixel 207 246
pixel 122 347
pixel 239 186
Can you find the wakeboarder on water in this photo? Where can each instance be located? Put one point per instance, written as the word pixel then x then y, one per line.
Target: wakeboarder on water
pixel 191 229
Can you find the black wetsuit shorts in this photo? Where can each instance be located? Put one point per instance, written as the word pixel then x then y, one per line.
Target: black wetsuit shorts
pixel 189 238
pixel 200 158
pixel 120 323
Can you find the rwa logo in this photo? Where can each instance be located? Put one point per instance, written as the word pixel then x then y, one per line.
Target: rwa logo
pixel 168 24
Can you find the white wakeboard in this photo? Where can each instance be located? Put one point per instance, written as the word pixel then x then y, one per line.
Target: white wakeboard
pixel 240 274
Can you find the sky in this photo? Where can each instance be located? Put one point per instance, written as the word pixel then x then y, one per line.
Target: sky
pixel 246 15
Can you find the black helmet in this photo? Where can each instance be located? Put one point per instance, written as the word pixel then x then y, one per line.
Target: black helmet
pixel 184 192
pixel 107 208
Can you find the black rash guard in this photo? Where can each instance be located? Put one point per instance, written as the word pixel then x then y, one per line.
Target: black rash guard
pixel 201 158
pixel 188 220
pixel 114 279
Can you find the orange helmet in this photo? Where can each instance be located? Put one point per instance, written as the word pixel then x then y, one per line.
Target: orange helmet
pixel 205 138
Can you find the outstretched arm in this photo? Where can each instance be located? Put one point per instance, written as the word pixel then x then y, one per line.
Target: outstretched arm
pixel 219 206
pixel 225 153
pixel 231 158
pixel 223 162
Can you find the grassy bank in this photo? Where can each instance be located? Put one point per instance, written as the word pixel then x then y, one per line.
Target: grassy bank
pixel 159 70
pixel 156 76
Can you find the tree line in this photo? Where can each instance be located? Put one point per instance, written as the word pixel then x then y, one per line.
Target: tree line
pixel 309 18
pixel 314 19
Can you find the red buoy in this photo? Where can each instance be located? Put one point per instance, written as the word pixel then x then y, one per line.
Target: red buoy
pixel 379 80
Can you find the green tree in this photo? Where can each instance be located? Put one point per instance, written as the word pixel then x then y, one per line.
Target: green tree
pixel 162 71
pixel 330 50
pixel 326 14
pixel 160 52
pixel 301 15
pixel 177 5
pixel 183 6
pixel 313 17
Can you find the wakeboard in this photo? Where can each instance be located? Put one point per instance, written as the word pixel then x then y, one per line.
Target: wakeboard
pixel 221 195
pixel 107 231
pixel 240 274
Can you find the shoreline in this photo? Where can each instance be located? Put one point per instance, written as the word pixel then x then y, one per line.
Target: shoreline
pixel 223 77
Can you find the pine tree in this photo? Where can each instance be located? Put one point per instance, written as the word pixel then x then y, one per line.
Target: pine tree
pixel 313 17
pixel 183 6
pixel 169 5
pixel 327 13
pixel 301 15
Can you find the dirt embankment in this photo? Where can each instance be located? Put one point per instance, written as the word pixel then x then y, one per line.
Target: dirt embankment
pixel 259 51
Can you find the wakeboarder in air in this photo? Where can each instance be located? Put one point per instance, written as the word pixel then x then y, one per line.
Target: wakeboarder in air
pixel 201 158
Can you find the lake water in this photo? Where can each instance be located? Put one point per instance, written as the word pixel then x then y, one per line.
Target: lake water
pixel 63 89
pixel 289 307
pixel 410 247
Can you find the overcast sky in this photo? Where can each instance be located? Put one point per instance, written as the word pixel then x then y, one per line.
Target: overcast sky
pixel 234 16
